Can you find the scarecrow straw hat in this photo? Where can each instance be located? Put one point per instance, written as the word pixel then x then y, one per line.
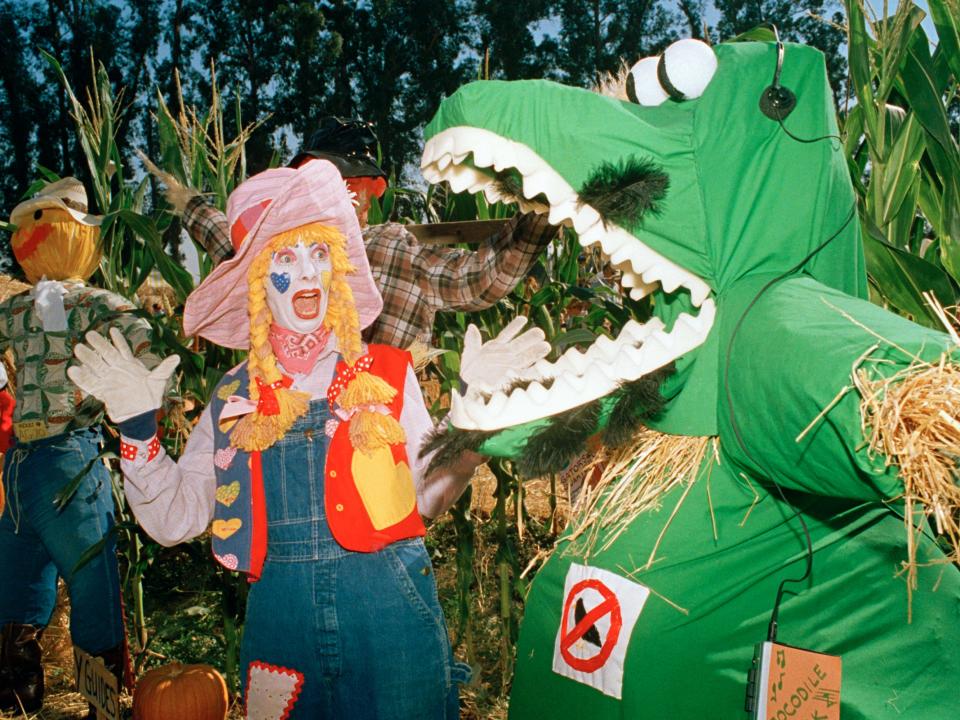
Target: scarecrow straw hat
pixel 67 194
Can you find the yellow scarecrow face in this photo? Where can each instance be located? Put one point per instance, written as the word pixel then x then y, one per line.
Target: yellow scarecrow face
pixel 51 242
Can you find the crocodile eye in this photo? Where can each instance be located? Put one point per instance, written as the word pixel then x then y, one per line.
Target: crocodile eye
pixel 643 87
pixel 682 72
pixel 686 68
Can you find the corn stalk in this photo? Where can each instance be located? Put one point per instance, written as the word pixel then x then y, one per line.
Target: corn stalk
pixel 903 152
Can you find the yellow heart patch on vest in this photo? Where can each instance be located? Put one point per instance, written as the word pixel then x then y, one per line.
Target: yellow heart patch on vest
pixel 225 528
pixel 227 494
pixel 227 390
pixel 385 487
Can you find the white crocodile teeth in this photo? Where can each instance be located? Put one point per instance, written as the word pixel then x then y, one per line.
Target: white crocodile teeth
pixel 431 174
pixel 699 291
pixel 535 184
pixel 537 392
pixel 459 415
pixel 429 154
pixel 593 235
pixel 483 155
pixel 585 219
pixel 561 212
pixel 496 404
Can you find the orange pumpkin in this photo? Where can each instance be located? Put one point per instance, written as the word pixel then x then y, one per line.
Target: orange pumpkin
pixel 181 692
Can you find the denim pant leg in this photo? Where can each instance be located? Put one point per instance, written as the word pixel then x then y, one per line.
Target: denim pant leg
pixel 279 649
pixel 96 621
pixel 29 575
pixel 396 653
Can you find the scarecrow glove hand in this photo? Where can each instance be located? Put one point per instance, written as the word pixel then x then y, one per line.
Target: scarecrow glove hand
pixel 177 194
pixel 493 365
pixel 110 373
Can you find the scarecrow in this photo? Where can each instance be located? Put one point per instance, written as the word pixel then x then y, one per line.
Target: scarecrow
pixel 415 280
pixel 305 462
pixel 57 439
pixel 776 451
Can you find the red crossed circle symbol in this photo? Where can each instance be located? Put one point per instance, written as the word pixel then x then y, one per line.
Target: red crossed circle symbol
pixel 609 605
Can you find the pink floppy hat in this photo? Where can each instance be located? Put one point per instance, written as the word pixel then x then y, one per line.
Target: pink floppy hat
pixel 261 207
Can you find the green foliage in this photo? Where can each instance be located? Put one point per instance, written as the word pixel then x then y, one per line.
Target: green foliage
pixel 903 153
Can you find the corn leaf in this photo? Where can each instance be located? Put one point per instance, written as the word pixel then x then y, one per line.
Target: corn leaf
pixel 900 171
pixel 946 19
pixel 902 277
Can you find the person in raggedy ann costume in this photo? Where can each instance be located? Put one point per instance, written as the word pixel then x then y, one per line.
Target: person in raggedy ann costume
pixel 306 463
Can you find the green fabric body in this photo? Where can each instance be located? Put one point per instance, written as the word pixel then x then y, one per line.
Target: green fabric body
pixel 694 665
pixel 746 205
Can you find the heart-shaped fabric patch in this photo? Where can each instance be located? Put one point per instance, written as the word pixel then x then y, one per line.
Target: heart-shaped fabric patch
pixel 281 281
pixel 225 528
pixel 227 390
pixel 224 456
pixel 330 427
pixel 227 494
pixel 229 561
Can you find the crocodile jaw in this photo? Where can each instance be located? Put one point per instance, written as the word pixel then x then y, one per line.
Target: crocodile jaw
pixel 577 377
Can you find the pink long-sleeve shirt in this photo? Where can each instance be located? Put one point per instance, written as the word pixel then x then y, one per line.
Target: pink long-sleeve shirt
pixel 174 500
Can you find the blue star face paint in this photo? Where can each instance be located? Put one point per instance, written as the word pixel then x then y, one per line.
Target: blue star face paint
pixel 281 281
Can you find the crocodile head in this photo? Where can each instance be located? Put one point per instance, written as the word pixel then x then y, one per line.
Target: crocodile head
pixel 685 199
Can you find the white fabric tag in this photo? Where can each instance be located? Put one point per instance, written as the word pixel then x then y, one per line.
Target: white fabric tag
pixel 272 691
pixel 597 617
pixel 48 304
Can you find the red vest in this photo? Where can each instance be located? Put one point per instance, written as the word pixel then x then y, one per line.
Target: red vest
pixel 371 500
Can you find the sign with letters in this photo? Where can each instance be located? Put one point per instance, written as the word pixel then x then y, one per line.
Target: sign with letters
pixel 798 684
pixel 97 684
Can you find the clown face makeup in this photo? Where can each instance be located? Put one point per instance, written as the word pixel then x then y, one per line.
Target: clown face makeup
pixel 297 283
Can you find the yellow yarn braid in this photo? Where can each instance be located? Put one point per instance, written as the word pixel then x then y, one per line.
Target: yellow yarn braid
pixel 256 432
pixel 370 430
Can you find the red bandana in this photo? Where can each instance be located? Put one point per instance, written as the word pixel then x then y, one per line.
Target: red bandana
pixel 297 353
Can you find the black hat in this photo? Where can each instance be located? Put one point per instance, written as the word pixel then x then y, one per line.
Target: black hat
pixel 348 144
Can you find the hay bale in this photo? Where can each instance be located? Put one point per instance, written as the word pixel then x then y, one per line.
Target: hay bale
pixel 10 286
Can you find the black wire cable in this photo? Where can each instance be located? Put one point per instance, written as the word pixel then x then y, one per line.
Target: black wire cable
pixel 772 628
pixel 807 140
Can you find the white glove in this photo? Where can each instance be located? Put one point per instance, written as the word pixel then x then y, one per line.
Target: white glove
pixel 493 365
pixel 116 378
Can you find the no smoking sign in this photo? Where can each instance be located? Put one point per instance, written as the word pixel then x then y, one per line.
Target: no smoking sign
pixel 600 609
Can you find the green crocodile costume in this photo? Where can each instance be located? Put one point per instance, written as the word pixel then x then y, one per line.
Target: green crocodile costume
pixel 751 245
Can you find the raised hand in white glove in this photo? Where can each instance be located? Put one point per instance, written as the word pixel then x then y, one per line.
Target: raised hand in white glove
pixel 493 365
pixel 111 373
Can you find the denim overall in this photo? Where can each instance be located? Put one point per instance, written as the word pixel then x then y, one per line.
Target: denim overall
pixel 38 541
pixel 365 630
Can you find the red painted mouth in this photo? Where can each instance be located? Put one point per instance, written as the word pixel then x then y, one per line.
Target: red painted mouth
pixel 306 304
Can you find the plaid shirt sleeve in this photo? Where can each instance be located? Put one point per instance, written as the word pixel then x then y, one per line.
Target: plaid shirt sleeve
pixel 208 226
pixel 456 279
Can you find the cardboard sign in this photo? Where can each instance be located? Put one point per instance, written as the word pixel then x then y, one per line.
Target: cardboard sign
pixel 798 684
pixel 599 611
pixel 97 684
